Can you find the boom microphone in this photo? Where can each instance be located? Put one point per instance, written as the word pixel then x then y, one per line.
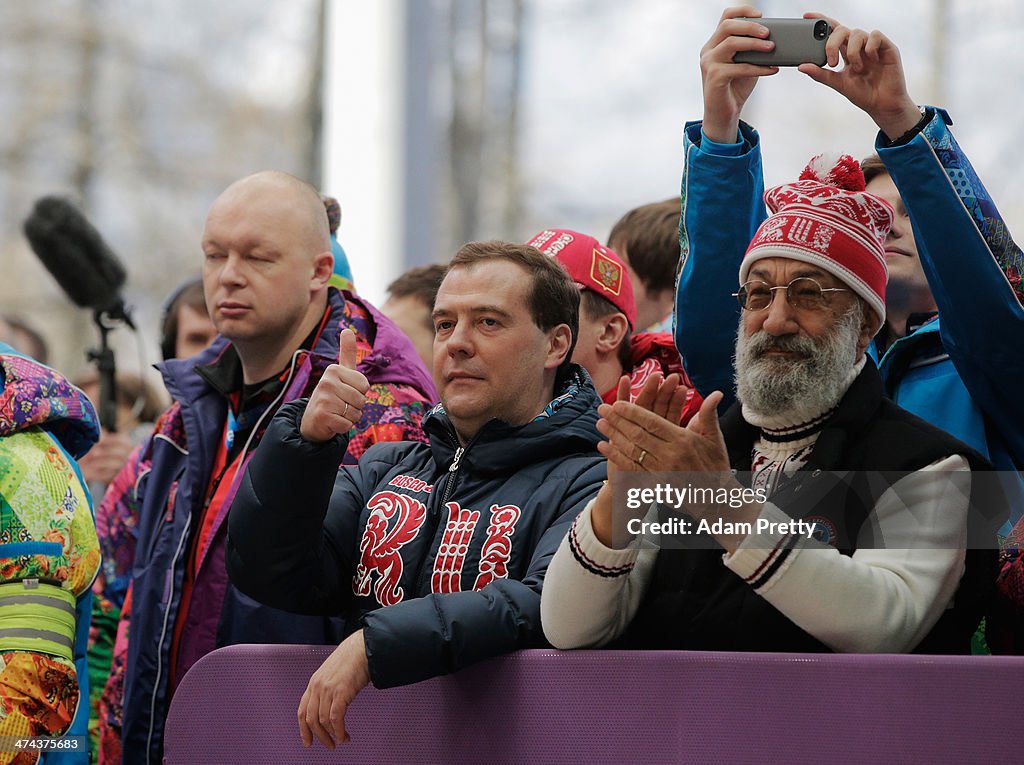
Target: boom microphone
pixel 75 253
pixel 90 274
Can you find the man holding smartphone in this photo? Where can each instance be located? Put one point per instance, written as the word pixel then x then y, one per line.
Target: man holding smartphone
pixel 948 252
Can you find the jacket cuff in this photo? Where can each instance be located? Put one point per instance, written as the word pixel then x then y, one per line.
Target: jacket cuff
pixel 291 413
pixel 747 141
pixel 933 129
pixel 283 444
pixel 761 559
pixel 592 555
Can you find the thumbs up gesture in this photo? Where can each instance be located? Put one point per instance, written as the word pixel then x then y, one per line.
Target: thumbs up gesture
pixel 337 401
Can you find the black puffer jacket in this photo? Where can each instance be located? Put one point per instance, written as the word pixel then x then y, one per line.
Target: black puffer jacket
pixel 454 541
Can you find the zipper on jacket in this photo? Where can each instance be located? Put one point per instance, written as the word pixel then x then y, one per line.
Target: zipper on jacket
pixel 435 510
pixel 169 590
pixel 452 470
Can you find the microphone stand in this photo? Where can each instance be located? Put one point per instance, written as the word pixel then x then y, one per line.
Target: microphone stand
pixel 106 366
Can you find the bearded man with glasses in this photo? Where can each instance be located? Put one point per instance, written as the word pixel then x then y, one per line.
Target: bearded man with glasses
pixel 949 349
pixel 853 534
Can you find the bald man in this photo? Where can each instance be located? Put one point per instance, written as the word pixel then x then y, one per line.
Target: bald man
pixel 266 266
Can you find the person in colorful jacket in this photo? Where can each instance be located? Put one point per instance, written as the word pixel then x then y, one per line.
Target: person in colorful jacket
pixel 434 552
pixel 606 347
pixel 266 271
pixel 49 556
pixel 342 277
pixel 941 356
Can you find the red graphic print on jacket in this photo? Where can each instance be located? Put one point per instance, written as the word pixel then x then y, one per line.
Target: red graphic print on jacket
pixel 451 555
pixel 498 547
pixel 379 548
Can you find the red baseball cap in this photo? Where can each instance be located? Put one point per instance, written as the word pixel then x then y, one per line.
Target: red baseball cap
pixel 591 265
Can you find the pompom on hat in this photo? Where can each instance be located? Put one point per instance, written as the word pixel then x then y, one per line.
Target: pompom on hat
pixel 828 220
pixel 342 276
pixel 591 265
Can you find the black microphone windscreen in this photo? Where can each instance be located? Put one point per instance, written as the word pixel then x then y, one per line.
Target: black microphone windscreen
pixel 75 253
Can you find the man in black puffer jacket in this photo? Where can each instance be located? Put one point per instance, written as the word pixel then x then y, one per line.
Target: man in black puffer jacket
pixel 453 537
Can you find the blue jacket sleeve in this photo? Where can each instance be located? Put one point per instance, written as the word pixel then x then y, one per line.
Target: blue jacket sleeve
pixel 437 634
pixel 722 209
pixel 973 268
pixel 280 550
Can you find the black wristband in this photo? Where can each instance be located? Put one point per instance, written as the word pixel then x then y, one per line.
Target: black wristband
pixel 907 137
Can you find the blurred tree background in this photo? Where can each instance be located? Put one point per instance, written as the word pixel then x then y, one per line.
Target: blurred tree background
pixel 142 112
pixel 520 114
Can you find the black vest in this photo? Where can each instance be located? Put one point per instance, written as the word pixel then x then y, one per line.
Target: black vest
pixel 695 602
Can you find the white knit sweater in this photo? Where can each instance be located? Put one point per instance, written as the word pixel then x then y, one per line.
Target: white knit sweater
pixel 877 600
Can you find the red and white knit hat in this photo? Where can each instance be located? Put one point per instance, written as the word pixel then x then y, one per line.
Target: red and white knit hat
pixel 828 220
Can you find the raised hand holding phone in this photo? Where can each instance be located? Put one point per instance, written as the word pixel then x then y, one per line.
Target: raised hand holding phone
pixel 726 84
pixel 337 401
pixel 872 78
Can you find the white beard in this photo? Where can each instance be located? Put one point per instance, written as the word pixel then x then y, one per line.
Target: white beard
pixel 784 387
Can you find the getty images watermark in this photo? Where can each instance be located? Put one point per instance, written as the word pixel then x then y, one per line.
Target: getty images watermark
pixel 678 498
pixel 846 510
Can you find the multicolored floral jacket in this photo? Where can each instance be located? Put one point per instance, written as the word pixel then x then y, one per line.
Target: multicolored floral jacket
pixel 49 554
pixel 149 516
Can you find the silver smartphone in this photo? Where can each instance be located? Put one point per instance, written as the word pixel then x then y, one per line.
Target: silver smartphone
pixel 797 41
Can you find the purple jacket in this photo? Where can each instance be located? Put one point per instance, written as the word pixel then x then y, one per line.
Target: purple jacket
pixel 164 490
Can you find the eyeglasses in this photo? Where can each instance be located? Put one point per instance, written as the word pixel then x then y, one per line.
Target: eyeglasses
pixel 803 293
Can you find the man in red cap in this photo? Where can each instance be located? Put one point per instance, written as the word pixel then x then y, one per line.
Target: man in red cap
pixel 606 347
